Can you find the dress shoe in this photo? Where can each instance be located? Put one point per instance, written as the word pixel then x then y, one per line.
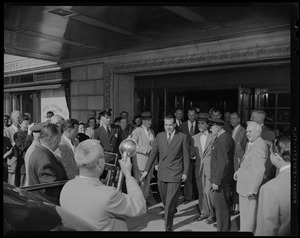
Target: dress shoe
pixel 210 221
pixel 169 229
pixel 200 218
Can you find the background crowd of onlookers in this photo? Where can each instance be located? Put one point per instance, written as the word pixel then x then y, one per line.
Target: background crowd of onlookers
pixel 228 167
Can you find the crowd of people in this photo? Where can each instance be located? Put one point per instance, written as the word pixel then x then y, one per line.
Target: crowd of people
pixel 228 167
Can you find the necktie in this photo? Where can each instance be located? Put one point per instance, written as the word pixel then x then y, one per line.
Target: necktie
pixel 192 130
pixel 169 138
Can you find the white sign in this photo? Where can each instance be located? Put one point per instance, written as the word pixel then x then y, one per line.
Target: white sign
pixel 54 100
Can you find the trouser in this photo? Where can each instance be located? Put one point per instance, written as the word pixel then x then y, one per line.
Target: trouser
pixel 247 214
pixel 234 195
pixel 169 194
pixel 12 164
pixel 208 206
pixel 222 204
pixel 145 185
pixel 190 186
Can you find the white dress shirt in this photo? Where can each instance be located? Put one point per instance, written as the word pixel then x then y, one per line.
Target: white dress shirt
pixel 203 138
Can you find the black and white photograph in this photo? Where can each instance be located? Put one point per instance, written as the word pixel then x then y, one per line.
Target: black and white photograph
pixel 152 117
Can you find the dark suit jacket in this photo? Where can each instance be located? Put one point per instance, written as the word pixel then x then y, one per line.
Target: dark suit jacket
pixel 109 143
pixel 268 136
pixel 184 128
pixel 222 160
pixel 240 140
pixel 23 141
pixel 44 167
pixel 173 158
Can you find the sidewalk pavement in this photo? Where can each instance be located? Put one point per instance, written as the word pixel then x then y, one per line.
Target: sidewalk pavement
pixel 183 219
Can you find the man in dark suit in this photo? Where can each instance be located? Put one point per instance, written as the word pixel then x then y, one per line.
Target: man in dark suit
pixel 240 140
pixel 222 171
pixel 108 134
pixel 178 117
pixel 268 136
pixel 44 166
pixel 23 139
pixel 190 128
pixel 173 149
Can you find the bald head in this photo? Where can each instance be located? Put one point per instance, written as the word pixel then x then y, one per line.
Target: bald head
pixel 253 130
pixel 258 116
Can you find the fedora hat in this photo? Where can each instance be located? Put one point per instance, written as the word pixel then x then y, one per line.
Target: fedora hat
pixel 202 116
pixel 146 115
pixel 216 121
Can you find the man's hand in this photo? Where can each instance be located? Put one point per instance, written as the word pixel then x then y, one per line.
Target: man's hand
pixel 252 196
pixel 144 174
pixel 125 165
pixel 183 178
pixel 235 176
pixel 8 153
pixel 214 186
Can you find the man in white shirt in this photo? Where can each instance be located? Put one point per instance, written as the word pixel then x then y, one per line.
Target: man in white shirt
pixel 16 118
pixel 274 205
pixel 201 152
pixel 190 128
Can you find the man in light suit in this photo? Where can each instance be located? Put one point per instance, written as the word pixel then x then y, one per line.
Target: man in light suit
pixel 144 136
pixel 268 136
pixel 104 207
pixel 190 128
pixel 240 140
pixel 16 118
pixel 44 166
pixel 201 153
pixel 222 170
pixel 274 205
pixel 36 140
pixel 173 149
pixel 68 143
pixel 249 176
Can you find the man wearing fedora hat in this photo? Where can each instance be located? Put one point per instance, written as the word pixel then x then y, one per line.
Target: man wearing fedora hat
pixel 221 173
pixel 144 137
pixel 201 153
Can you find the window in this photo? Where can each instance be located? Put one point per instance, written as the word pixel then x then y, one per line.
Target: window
pixel 277 107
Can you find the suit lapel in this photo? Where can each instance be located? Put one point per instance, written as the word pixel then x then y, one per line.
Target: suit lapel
pixel 208 141
pixel 174 142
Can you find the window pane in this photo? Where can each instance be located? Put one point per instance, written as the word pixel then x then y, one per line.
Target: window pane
pixel 283 100
pixel 284 129
pixel 283 115
pixel 270 117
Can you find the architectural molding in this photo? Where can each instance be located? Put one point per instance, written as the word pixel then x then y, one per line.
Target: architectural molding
pixel 255 56
pixel 199 60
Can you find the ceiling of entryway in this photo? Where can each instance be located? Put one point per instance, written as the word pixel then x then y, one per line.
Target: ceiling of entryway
pixel 69 33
